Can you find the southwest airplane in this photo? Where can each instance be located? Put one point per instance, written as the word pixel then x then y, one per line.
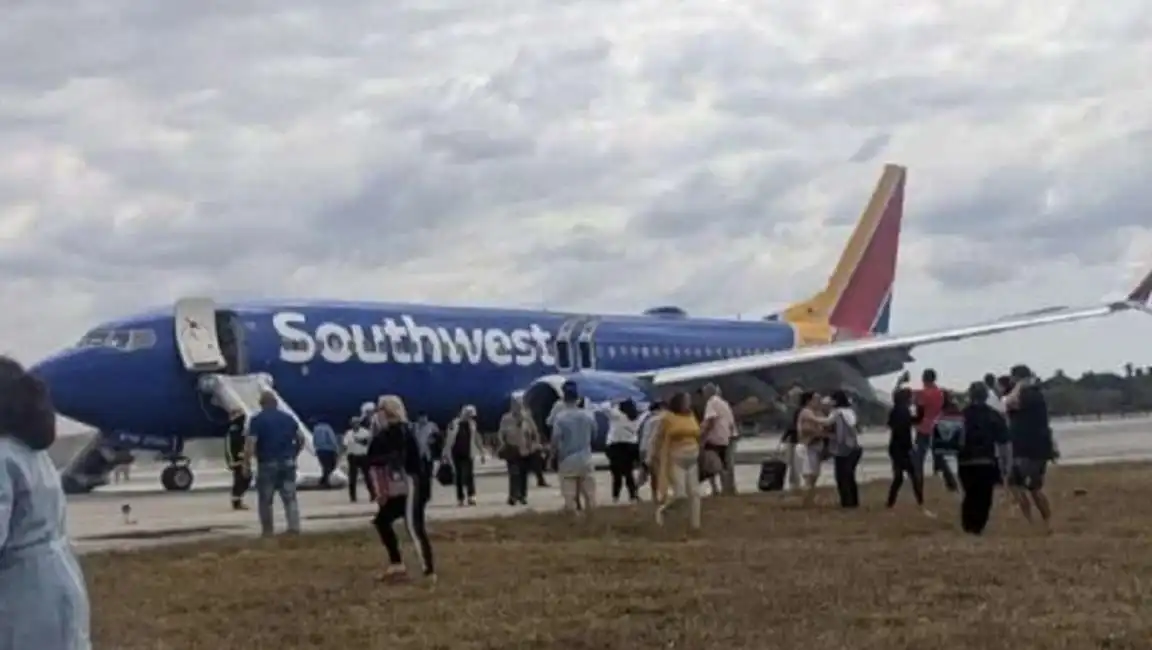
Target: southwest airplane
pixel 157 378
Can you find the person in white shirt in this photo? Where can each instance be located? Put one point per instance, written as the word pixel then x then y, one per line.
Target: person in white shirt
pixel 623 448
pixel 645 428
pixel 718 433
pixel 356 441
pixel 996 394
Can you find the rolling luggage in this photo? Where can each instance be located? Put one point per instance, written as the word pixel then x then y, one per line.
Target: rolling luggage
pixel 772 474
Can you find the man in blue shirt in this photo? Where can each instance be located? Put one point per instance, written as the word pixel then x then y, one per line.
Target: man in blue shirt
pixel 274 440
pixel 572 430
pixel 327 448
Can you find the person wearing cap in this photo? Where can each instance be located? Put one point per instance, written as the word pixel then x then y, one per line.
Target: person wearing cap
pixel 573 428
pixel 43 599
pixel 461 448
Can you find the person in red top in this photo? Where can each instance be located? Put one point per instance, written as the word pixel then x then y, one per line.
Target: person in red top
pixel 931 403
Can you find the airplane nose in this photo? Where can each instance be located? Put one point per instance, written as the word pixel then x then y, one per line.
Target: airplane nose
pixel 65 375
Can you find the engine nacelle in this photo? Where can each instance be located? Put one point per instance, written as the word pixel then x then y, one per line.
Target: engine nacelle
pixel 599 390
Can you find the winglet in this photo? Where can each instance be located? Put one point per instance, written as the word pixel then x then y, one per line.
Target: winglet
pixel 1143 291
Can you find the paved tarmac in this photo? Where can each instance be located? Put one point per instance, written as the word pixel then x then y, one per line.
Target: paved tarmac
pixel 96 523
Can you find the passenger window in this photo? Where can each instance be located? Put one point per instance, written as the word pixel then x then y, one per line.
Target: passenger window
pixel 293 344
pixel 612 351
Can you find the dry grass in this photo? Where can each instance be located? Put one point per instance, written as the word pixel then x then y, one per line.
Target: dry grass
pixel 763 575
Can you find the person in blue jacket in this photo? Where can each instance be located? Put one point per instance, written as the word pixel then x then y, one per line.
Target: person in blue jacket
pixel 43 599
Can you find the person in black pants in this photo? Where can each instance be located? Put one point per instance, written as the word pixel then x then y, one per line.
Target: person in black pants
pixel 623 449
pixel 234 453
pixel 846 449
pixel 461 448
pixel 976 460
pixel 536 463
pixel 901 427
pixel 398 473
pixel 356 442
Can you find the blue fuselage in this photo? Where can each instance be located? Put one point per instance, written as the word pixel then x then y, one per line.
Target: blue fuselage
pixel 328 358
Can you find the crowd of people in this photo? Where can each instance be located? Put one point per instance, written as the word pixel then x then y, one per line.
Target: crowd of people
pixel 997 434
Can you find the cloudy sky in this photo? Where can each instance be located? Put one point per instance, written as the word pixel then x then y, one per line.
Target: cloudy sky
pixel 603 155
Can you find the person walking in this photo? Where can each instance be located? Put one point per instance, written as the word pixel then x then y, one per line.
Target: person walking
pixel 356 441
pixel 462 448
pixel 234 455
pixel 846 450
pixel 976 458
pixel 274 442
pixel 902 419
pixel 676 455
pixel 623 449
pixel 397 468
pixel 516 441
pixel 327 448
pixel 573 428
pixel 1033 445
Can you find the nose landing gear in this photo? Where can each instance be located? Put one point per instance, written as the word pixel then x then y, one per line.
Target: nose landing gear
pixel 177 476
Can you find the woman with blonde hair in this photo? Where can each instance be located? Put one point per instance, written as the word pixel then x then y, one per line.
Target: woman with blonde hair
pixel 396 466
pixel 675 454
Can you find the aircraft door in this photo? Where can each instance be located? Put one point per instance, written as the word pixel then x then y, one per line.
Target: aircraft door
pixel 565 357
pixel 197 338
pixel 586 345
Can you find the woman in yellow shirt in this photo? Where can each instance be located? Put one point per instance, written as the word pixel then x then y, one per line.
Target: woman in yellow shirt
pixel 675 454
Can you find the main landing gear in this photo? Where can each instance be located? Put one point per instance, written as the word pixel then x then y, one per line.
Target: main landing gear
pixel 178 476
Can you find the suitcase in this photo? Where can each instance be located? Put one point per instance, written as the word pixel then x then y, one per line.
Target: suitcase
pixel 772 474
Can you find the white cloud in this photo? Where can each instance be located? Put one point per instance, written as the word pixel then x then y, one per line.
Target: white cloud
pixel 537 153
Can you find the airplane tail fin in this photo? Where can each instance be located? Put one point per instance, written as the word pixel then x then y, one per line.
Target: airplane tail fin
pixel 858 297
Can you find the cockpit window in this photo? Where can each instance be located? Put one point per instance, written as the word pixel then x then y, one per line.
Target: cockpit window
pixel 125 340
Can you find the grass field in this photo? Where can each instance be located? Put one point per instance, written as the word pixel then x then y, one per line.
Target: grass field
pixel 764 574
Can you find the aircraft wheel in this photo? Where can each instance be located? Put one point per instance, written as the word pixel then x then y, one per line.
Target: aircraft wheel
pixel 177 478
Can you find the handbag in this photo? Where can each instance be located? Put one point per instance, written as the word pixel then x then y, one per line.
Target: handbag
pixel 710 464
pixel 445 475
pixel 507 452
pixel 390 482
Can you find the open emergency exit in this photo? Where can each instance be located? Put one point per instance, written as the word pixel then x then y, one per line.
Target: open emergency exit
pixel 197 338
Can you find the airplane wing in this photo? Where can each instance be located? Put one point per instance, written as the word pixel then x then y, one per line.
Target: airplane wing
pixel 843 350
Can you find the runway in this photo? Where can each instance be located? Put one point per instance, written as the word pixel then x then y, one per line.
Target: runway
pixel 96 523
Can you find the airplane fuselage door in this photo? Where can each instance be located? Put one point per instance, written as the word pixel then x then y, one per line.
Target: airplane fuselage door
pixel 586 345
pixel 565 357
pixel 197 340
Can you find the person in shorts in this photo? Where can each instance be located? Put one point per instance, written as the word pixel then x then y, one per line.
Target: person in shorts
pixel 812 429
pixel 1032 445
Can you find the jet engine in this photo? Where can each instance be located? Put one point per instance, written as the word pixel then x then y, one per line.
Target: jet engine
pixel 596 387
